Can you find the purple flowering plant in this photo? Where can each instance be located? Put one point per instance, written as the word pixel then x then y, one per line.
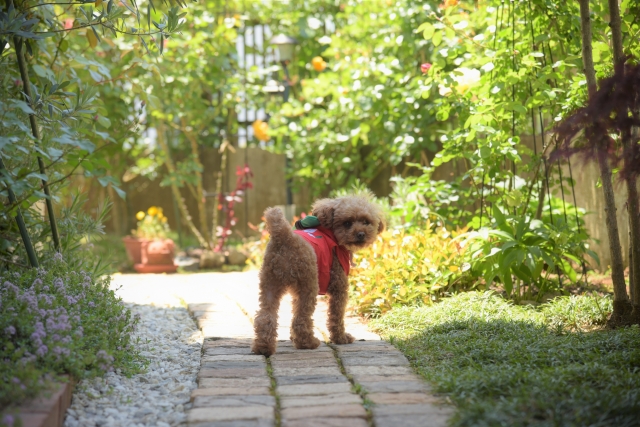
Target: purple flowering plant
pixel 56 320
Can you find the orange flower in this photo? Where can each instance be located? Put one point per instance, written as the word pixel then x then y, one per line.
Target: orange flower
pixel 318 63
pixel 261 130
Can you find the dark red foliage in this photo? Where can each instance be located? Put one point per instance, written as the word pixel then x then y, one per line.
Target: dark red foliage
pixel 614 110
pixel 227 202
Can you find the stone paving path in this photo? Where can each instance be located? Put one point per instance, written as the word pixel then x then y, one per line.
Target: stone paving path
pixel 365 384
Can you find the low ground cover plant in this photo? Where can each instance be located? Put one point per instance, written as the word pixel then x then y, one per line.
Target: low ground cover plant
pixel 408 268
pixel 510 365
pixel 57 320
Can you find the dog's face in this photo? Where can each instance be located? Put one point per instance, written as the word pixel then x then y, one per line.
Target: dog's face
pixel 354 220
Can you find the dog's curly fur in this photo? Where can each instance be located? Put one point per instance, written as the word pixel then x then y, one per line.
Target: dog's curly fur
pixel 290 266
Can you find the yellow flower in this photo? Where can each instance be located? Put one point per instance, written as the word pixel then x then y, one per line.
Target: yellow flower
pixel 164 219
pixel 152 211
pixel 160 216
pixel 140 216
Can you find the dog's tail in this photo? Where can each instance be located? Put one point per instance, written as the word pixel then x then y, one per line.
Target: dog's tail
pixel 278 226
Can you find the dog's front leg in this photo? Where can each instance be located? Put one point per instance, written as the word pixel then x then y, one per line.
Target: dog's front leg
pixel 338 293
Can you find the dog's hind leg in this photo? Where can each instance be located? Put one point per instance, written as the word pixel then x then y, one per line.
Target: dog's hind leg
pixel 265 323
pixel 338 292
pixel 304 304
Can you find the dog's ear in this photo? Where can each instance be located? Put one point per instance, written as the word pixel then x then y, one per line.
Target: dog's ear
pixel 324 210
pixel 381 225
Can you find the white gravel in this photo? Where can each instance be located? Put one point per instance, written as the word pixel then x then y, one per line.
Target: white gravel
pixel 172 342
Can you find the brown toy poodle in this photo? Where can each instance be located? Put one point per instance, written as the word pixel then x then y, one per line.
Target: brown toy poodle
pixel 309 261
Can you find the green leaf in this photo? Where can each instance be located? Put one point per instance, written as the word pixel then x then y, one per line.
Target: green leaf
pixel 437 38
pixel 428 31
pixel 105 122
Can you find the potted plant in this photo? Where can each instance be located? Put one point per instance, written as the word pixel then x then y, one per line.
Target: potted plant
pixel 148 246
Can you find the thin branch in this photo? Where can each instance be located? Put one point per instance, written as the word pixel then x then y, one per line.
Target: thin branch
pixel 66 30
pixel 53 4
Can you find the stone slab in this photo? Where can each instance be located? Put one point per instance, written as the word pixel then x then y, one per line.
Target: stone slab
pixel 229 342
pixel 234 382
pixel 314 370
pixel 232 364
pixel 425 409
pixel 251 400
pixel 394 386
pixel 310 379
pixel 366 343
pixel 230 391
pixel 301 355
pixel 222 413
pixel 378 378
pixel 237 423
pixel 326 422
pixel 234 358
pixel 289 350
pixel 372 361
pixel 379 348
pixel 219 351
pixel 327 400
pixel 369 354
pixel 412 420
pixel 303 363
pixel 332 411
pixel 314 389
pixel 401 398
pixel 378 370
pixel 232 373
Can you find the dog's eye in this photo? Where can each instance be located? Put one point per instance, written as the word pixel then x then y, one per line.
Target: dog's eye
pixel 366 222
pixel 348 224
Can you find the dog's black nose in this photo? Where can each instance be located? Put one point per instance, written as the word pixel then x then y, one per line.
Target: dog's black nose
pixel 360 235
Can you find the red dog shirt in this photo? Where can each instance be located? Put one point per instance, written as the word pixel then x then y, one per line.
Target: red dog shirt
pixel 323 242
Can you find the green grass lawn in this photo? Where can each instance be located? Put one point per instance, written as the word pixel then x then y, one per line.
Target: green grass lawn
pixel 506 365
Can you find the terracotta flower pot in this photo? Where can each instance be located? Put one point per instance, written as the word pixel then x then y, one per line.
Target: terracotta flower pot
pixel 133 245
pixel 151 256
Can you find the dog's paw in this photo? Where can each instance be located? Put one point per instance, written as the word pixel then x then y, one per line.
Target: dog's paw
pixel 265 350
pixel 344 339
pixel 310 343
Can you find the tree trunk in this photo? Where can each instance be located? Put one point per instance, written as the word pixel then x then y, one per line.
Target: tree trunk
pixel 223 163
pixel 199 196
pixel 176 191
pixel 616 31
pixel 632 189
pixel 621 303
pixel 634 214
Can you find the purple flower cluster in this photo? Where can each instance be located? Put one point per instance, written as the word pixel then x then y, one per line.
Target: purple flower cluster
pixel 8 420
pixel 45 316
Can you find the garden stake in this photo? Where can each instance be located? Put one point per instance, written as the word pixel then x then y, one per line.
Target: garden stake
pixel 31 254
pixel 24 74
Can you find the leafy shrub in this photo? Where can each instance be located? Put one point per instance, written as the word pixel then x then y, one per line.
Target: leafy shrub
pixel 417 199
pixel 403 268
pixel 56 320
pixel 523 253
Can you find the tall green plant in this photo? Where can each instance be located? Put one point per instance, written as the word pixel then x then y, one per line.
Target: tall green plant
pixel 53 123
